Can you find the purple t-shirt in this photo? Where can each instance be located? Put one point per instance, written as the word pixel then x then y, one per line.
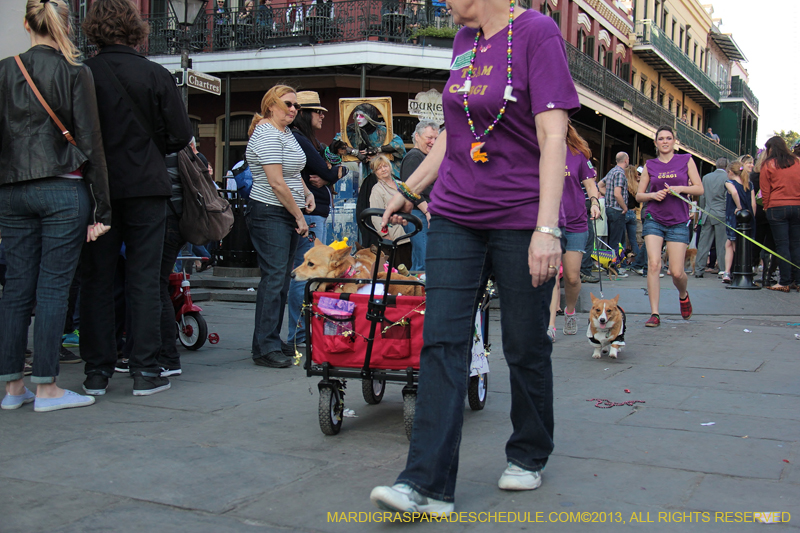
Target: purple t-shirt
pixel 573 201
pixel 502 193
pixel 670 210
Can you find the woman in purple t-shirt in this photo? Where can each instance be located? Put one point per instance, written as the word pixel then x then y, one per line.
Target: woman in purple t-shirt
pixel 495 210
pixel 667 218
pixel 579 172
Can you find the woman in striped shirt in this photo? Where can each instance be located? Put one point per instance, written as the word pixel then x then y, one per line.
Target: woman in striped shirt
pixel 274 217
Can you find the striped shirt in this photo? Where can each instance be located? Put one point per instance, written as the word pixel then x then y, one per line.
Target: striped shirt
pixel 268 146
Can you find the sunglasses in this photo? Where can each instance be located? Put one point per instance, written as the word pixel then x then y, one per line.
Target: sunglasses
pixel 317 111
pixel 290 104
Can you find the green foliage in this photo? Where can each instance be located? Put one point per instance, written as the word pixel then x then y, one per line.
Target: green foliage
pixel 432 31
pixel 791 137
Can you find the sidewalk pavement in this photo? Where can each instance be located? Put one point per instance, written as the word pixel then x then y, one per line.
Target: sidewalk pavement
pixel 237 448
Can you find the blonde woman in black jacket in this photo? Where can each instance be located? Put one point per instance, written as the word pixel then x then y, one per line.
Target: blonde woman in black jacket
pixel 53 197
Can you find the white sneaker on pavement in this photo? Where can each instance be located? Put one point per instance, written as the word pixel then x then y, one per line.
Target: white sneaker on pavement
pixel 570 324
pixel 402 498
pixel 516 478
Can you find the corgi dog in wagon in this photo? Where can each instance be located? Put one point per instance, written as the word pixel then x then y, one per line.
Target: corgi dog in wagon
pixel 606 327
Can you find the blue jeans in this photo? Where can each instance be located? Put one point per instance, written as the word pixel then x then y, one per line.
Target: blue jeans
pixel 459 264
pixel 785 224
pixel 419 243
pixel 630 229
pixel 616 228
pixel 272 231
pixel 43 223
pixel 297 327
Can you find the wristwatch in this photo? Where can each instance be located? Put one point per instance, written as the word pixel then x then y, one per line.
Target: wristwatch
pixel 555 232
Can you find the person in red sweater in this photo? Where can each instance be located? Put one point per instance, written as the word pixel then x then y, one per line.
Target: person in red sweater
pixel 780 190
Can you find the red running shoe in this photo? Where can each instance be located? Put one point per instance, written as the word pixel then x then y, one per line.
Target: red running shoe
pixel 686 308
pixel 653 322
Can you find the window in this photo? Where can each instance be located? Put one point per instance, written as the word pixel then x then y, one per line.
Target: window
pixel 691 123
pixel 688 43
pixel 656 9
pixel 671 101
pixel 546 10
pixel 680 39
pixel 590 46
pixel 674 25
pixel 661 98
pixel 677 110
pixel 664 20
pixel 240 123
pixel 644 5
pixel 642 84
pixel 652 92
pixel 694 55
pixel 581 40
pixel 702 57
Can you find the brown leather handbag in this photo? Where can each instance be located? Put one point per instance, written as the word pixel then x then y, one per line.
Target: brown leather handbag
pixel 64 131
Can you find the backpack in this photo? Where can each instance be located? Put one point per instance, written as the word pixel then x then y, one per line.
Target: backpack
pixel 244 179
pixel 206 215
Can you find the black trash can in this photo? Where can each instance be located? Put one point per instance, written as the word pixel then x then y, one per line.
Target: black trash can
pixel 236 249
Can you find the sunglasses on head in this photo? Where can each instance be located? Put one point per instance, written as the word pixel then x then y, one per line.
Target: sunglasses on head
pixel 290 104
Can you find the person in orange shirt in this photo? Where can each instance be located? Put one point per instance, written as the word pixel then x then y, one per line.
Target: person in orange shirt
pixel 780 190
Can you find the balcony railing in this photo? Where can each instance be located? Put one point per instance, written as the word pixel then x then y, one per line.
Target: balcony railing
pixel 649 34
pixel 589 73
pixel 242 29
pixel 739 89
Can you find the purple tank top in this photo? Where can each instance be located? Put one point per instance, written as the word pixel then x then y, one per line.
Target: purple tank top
pixel 670 210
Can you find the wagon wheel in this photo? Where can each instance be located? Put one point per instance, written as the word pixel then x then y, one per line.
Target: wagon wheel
pixel 409 409
pixel 373 390
pixel 477 391
pixel 331 407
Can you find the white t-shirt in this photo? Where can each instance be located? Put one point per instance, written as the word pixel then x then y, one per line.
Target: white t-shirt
pixel 269 146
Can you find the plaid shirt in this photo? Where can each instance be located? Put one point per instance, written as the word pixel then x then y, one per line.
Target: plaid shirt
pixel 616 178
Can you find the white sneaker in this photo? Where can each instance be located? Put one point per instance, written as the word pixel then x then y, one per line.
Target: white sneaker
pixel 570 324
pixel 402 498
pixel 516 478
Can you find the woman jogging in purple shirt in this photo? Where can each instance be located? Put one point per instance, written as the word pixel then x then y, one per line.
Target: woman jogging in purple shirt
pixel 667 218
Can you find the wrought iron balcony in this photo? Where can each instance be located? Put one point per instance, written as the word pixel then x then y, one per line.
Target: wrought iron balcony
pixel 265 27
pixel 589 73
pixel 657 50
pixel 739 89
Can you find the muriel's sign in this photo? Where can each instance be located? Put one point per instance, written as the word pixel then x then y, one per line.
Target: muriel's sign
pixel 427 106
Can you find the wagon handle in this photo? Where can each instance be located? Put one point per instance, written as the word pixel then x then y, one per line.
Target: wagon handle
pixel 366 218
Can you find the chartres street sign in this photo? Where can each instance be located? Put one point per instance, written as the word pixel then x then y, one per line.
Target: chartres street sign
pixel 203 82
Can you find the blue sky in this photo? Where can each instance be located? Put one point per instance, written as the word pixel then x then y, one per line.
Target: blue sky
pixel 767 33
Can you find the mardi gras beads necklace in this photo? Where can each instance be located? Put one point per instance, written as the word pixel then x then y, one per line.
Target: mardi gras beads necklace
pixel 477 155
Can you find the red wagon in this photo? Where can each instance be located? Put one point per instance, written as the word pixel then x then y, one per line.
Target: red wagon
pixel 374 338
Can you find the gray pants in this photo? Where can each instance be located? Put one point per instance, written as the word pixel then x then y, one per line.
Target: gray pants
pixel 711 230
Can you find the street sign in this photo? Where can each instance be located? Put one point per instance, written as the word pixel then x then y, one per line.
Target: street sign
pixel 204 82
pixel 178 75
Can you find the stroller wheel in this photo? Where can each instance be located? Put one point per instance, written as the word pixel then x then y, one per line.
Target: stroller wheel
pixel 477 391
pixel 373 390
pixel 409 410
pixel 331 408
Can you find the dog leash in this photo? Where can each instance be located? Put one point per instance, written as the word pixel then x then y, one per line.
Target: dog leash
pixel 734 229
pixel 599 273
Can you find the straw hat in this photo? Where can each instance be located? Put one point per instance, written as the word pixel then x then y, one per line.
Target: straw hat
pixel 310 100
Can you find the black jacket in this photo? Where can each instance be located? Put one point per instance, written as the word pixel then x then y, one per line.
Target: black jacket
pixel 316 165
pixel 136 164
pixel 31 145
